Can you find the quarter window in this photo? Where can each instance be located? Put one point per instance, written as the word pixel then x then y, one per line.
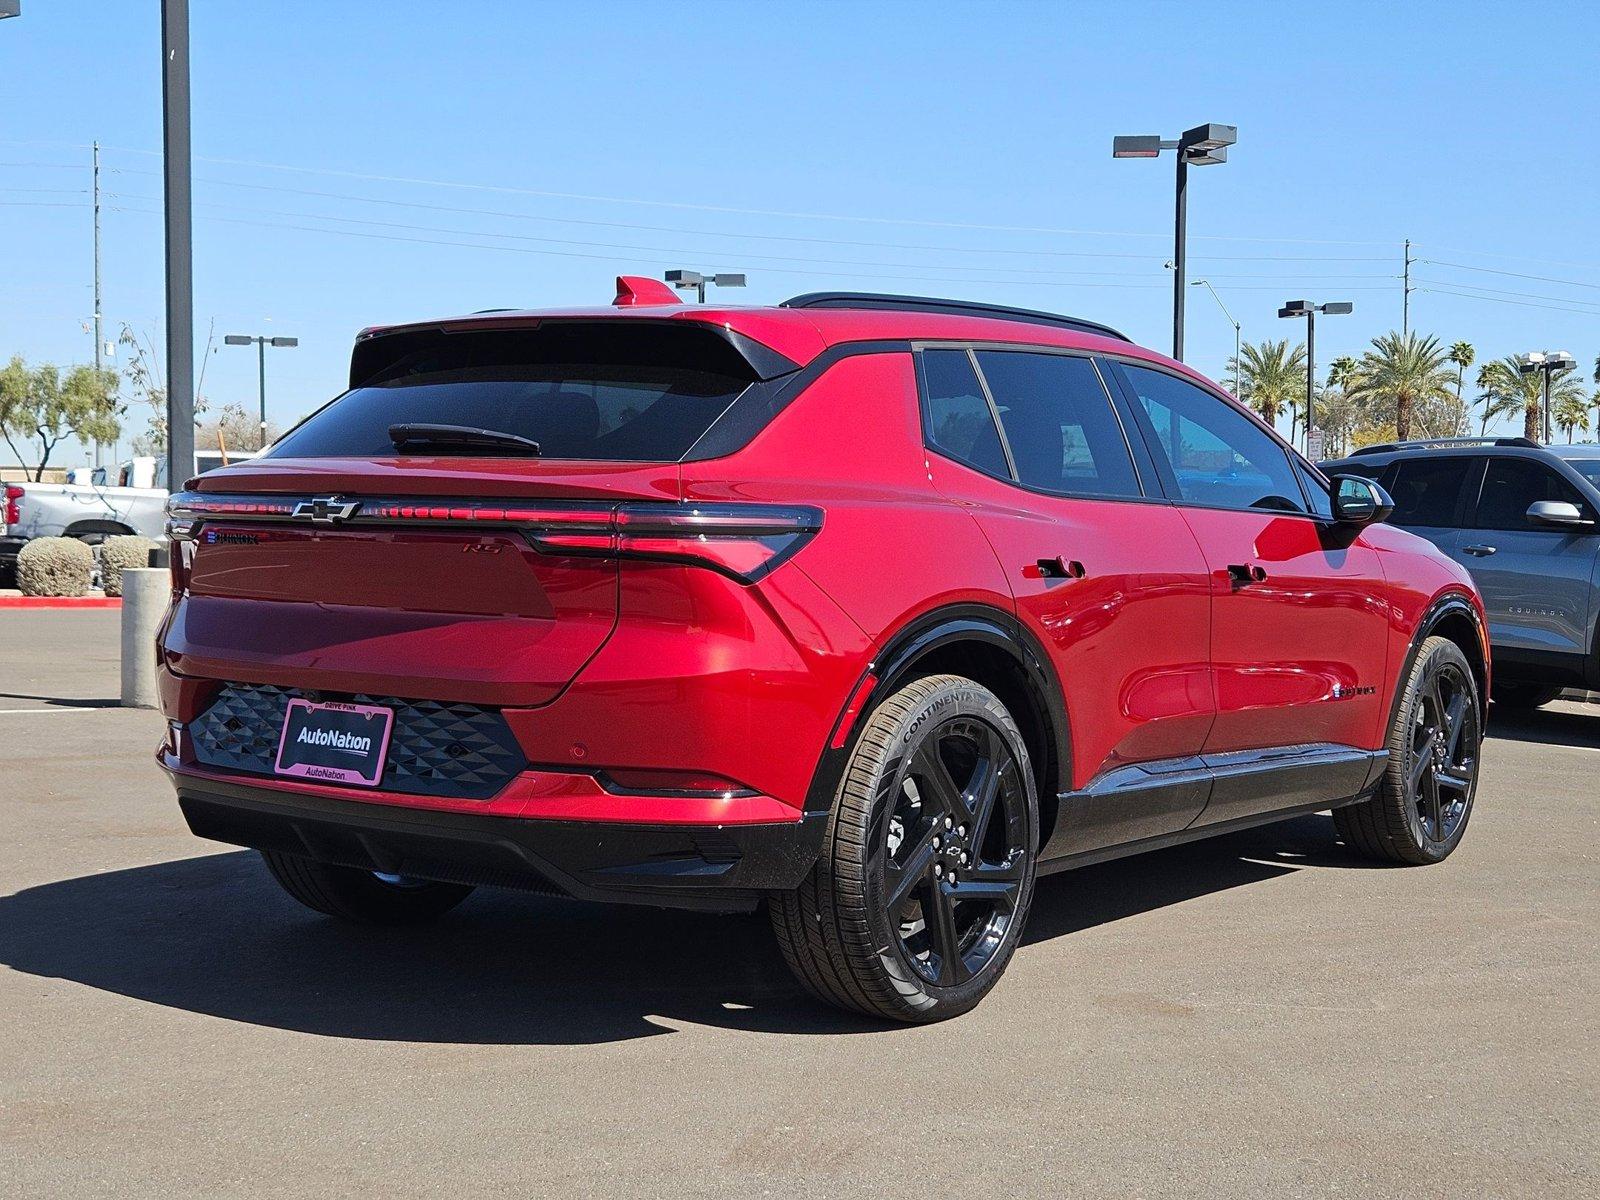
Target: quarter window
pixel 1059 424
pixel 960 423
pixel 1220 457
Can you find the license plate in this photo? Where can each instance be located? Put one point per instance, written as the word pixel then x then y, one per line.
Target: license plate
pixel 334 743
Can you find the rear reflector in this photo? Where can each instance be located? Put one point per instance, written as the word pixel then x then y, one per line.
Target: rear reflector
pixel 745 541
pixel 633 782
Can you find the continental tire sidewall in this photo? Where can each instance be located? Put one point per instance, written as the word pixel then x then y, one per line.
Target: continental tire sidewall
pixel 952 698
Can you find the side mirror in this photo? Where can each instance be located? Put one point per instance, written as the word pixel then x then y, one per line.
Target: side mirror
pixel 1556 512
pixel 1358 501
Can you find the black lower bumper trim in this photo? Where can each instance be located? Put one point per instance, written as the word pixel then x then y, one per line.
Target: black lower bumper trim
pixel 719 868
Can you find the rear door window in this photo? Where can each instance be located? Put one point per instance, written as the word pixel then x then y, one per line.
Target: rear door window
pixel 1063 434
pixel 959 421
pixel 1427 490
pixel 1511 485
pixel 624 392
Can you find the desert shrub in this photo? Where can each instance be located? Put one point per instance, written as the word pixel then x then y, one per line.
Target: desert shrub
pixel 118 553
pixel 54 566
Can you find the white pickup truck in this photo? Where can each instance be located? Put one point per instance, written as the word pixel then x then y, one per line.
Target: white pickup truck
pixel 130 498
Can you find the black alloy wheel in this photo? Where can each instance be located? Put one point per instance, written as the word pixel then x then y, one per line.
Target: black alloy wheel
pixel 920 895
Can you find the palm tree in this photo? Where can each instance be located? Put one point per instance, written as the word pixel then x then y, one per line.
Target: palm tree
pixel 1271 376
pixel 1496 403
pixel 1405 371
pixel 1572 412
pixel 1504 380
pixel 1462 354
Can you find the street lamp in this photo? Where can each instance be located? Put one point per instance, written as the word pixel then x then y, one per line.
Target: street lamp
pixel 1201 146
pixel 1546 363
pixel 261 344
pixel 693 280
pixel 10 8
pixel 1308 310
pixel 1206 283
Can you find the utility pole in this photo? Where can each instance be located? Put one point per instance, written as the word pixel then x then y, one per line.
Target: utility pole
pixel 99 336
pixel 1405 294
pixel 179 240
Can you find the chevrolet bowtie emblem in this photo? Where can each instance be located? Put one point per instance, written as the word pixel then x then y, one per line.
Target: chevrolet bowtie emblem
pixel 325 510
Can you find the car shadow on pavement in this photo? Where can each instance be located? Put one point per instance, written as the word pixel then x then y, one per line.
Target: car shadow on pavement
pixel 64 701
pixel 1547 726
pixel 214 935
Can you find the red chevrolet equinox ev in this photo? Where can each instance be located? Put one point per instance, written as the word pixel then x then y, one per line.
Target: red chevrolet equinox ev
pixel 873 608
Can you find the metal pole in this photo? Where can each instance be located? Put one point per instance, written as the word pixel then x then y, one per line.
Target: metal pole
pixel 99 337
pixel 179 241
pixel 1311 371
pixel 261 359
pixel 1179 254
pixel 1546 373
pixel 1236 359
pixel 1405 294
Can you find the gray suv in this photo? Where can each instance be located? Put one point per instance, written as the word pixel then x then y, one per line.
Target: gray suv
pixel 1525 520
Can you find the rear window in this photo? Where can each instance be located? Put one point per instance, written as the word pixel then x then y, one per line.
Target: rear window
pixel 622 393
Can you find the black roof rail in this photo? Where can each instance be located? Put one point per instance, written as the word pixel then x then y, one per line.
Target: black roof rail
pixel 1447 443
pixel 956 308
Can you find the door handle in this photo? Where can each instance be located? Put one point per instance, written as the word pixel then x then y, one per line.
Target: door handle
pixel 1479 551
pixel 1240 574
pixel 1061 567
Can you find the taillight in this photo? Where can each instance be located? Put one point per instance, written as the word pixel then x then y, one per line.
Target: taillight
pixel 743 540
pixel 13 514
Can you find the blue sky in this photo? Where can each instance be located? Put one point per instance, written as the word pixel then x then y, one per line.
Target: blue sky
pixel 812 146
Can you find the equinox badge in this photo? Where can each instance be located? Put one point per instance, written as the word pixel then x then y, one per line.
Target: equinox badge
pixel 325 510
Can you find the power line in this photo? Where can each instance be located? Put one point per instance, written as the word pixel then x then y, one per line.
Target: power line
pixel 1512 274
pixel 766 237
pixel 1519 303
pixel 1521 295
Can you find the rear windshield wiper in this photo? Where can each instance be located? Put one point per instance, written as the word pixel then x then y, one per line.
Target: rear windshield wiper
pixel 460 436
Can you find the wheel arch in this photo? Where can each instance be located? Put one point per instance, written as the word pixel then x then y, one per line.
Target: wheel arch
pixel 988 646
pixel 97 525
pixel 1450 616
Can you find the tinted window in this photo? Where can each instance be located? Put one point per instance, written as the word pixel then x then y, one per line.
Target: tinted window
pixel 1510 485
pixel 1064 436
pixel 1425 491
pixel 959 421
pixel 1589 468
pixel 1316 491
pixel 1221 458
pixel 585 391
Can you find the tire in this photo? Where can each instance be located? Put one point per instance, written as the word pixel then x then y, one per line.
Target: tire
pixel 1424 800
pixel 96 541
pixel 1525 696
pixel 359 896
pixel 938 796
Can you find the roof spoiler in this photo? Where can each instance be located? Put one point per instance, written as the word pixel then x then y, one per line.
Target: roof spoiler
pixel 641 289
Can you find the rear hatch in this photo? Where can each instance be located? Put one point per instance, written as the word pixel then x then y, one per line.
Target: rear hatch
pixel 378 549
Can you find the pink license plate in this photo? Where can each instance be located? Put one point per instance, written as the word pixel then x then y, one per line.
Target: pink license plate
pixel 334 743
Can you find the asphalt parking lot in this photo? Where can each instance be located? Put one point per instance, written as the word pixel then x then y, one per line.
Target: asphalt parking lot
pixel 1260 1015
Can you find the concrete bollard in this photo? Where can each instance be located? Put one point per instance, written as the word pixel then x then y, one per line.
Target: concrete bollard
pixel 145 593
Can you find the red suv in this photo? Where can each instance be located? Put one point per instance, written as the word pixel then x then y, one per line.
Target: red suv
pixel 872 607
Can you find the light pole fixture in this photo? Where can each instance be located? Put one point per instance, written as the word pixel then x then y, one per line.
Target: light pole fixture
pixel 1201 146
pixel 1206 283
pixel 261 344
pixel 1546 363
pixel 10 8
pixel 696 281
pixel 1308 310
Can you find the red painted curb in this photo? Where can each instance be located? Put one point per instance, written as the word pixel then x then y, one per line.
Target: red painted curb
pixel 60 601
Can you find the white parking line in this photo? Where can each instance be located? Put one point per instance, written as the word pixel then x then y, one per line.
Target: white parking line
pixel 18 712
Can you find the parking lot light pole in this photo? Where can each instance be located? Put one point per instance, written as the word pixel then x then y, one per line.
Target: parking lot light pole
pixel 696 281
pixel 1546 363
pixel 1308 310
pixel 1201 146
pixel 176 196
pixel 261 344
pixel 1206 283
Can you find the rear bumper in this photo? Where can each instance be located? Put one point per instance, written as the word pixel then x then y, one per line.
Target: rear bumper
pixel 712 867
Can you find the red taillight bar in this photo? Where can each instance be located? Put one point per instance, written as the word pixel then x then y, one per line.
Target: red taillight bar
pixel 12 514
pixel 743 540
